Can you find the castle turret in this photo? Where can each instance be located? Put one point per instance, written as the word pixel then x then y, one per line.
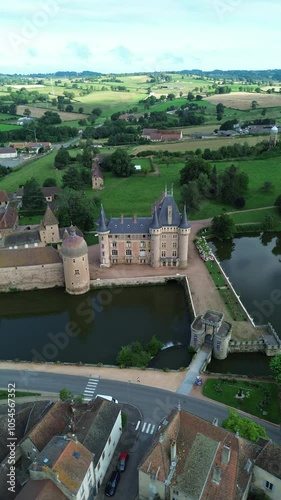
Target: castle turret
pixel 155 231
pixel 49 228
pixel 103 233
pixel 74 253
pixel 184 231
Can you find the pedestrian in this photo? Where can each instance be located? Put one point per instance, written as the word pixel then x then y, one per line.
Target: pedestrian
pixel 138 379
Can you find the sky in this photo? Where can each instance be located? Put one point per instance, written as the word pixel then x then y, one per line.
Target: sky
pixel 118 36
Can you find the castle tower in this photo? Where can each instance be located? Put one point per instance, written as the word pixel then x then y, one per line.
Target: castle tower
pixel 155 232
pixel 103 233
pixel 273 136
pixel 49 228
pixel 184 231
pixel 74 253
pixel 221 340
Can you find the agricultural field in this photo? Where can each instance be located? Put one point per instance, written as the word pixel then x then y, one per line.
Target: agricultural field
pixel 5 127
pixel 243 100
pixel 37 112
pixel 7 116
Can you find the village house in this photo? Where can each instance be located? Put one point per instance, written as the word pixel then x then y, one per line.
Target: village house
pixel 31 146
pixel 158 240
pixel 191 458
pixel 97 175
pixel 8 153
pixel 70 449
pixel 154 134
pixel 50 194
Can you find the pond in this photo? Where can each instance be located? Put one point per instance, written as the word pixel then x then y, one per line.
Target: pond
pixel 50 325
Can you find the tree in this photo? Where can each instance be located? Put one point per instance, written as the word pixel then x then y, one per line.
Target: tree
pixel 97 111
pixel 254 105
pixel 232 184
pixel 223 227
pixel 277 203
pixel 275 366
pixel 81 110
pixel 191 196
pixel 154 346
pixel 246 428
pixel 268 222
pixel 220 108
pixel 204 185
pixel 193 168
pixel 33 197
pixel 65 394
pixel 72 179
pixel 74 208
pixel 69 108
pixel 87 157
pixel 120 164
pixel 190 96
pixel 240 202
pixel 49 182
pixel 62 158
pixel 27 112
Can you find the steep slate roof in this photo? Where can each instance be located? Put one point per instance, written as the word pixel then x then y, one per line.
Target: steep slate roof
pixel 94 427
pixel 52 423
pixel 29 257
pixel 155 221
pixel 102 222
pixel 128 226
pixel 20 238
pixel 168 200
pixel 51 190
pixel 69 459
pixel 44 489
pixel 199 446
pixel 184 224
pixel 270 459
pixel 49 218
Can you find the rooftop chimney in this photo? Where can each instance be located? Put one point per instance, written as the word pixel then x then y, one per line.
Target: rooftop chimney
pixel 173 451
pixel 225 457
pixel 122 218
pixel 135 218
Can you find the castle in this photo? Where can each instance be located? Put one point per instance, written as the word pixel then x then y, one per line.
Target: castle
pixel 158 240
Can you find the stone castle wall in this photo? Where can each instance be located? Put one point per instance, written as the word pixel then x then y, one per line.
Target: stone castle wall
pixel 29 277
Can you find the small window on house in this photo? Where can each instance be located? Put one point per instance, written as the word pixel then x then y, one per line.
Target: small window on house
pixel 268 485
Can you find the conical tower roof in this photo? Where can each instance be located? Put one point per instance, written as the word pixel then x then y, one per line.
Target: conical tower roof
pixel 184 224
pixel 155 221
pixel 73 245
pixel 102 222
pixel 49 218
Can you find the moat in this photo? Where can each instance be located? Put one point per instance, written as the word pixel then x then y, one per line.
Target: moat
pixel 50 325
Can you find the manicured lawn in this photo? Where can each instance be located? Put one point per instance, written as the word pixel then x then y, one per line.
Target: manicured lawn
pixel 40 169
pixel 257 216
pixel 19 394
pixel 26 221
pixel 5 128
pixel 224 390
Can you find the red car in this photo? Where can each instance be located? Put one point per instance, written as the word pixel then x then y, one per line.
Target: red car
pixel 123 459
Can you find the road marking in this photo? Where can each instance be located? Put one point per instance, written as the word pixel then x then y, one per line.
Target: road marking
pixel 148 428
pixel 137 426
pixel 90 389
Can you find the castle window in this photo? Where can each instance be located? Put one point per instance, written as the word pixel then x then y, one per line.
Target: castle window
pixel 102 254
pixel 129 252
pixel 114 252
pixel 128 244
pixel 102 238
pixel 102 246
pixel 174 253
pixel 175 244
pixel 114 244
pixel 175 235
pixel 142 244
pixel 73 260
pixel 164 236
pixel 163 253
pixel 76 271
pixel 144 236
pixel 116 236
pixel 163 245
pixel 129 236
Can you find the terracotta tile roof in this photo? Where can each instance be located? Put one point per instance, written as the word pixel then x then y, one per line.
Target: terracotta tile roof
pixel 94 427
pixel 44 489
pixel 8 217
pixel 269 459
pixel 3 196
pixel 29 257
pixel 52 423
pixel 200 446
pixel 49 218
pixel 67 459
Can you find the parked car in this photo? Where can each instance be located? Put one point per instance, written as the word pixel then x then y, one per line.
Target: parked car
pixel 123 461
pixel 112 484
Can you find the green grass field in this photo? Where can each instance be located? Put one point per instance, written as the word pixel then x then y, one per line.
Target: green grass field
pixel 18 394
pixel 5 128
pixel 257 216
pixel 224 391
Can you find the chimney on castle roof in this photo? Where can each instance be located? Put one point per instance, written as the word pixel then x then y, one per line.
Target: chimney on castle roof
pixel 135 218
pixel 122 218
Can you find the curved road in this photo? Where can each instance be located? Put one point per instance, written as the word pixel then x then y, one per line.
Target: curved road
pixel 154 404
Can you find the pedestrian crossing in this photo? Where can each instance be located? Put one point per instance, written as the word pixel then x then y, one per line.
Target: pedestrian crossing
pixel 146 427
pixel 90 389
